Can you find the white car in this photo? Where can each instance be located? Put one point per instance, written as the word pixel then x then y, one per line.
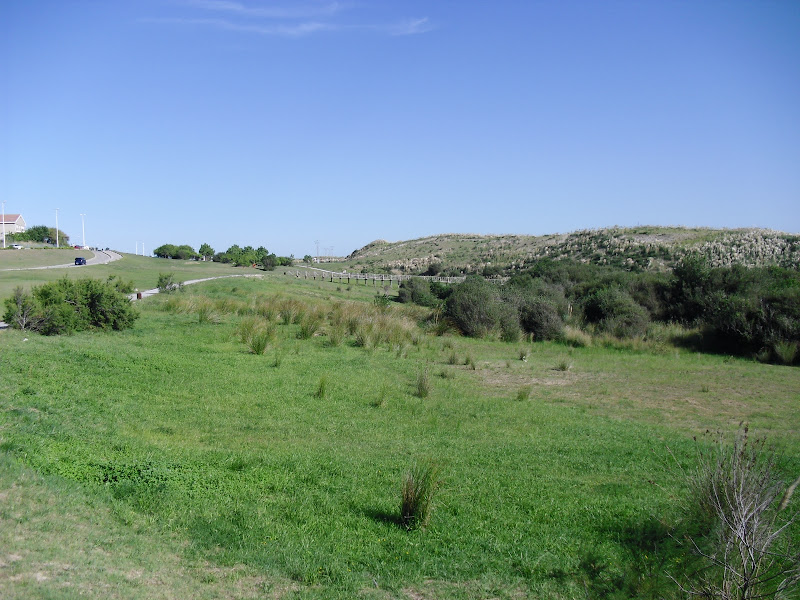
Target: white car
pixel 16 246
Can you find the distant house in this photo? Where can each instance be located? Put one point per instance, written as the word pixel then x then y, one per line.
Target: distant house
pixel 13 224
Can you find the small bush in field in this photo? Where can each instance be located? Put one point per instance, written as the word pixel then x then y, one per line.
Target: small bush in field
pixel 453 358
pixel 166 283
pixel 420 486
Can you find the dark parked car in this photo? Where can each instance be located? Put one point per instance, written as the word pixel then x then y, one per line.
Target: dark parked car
pixel 80 261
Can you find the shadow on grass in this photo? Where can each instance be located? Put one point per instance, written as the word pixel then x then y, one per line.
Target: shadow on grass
pixel 382 516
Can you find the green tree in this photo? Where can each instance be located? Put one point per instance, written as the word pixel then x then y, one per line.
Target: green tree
pixel 206 251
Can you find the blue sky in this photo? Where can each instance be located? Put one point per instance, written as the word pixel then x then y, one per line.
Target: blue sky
pixel 281 123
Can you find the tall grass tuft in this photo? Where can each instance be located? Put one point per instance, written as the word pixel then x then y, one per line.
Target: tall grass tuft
pixel 420 485
pixel 309 325
pixel 256 334
pixel 380 400
pixel 322 388
pixel 785 351
pixel 336 335
pixel 524 393
pixel 423 386
pixel 577 338
pixel 563 365
pixel 206 313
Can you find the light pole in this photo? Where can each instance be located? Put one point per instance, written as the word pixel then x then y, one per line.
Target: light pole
pixel 4 223
pixel 83 230
pixel 56 228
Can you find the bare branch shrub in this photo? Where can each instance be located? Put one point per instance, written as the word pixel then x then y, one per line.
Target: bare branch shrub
pixel 746 546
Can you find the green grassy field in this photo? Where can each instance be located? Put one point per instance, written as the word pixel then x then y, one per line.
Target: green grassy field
pixel 170 461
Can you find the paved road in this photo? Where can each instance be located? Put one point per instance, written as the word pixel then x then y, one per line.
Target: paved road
pixel 101 257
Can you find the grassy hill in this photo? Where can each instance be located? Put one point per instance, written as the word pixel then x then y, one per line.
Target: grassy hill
pixel 645 247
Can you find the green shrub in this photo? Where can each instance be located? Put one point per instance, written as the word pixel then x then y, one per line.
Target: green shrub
pixel 540 317
pixel 418 291
pixel 166 283
pixel 66 306
pixel 474 307
pixel 508 320
pixel 615 312
pixel 420 485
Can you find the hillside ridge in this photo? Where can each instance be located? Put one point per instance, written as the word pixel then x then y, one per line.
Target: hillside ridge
pixel 642 247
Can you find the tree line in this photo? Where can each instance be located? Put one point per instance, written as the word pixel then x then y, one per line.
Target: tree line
pixel 235 255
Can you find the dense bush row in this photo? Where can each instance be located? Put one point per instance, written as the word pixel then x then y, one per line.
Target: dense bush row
pixel 67 305
pixel 738 310
pixel 235 255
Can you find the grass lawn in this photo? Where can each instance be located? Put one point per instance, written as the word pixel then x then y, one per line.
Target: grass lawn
pixel 169 461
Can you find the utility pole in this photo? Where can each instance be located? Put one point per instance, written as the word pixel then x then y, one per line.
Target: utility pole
pixel 317 243
pixel 56 228
pixel 83 230
pixel 4 223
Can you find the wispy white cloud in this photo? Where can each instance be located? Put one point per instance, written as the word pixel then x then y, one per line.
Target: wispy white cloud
pixel 289 30
pixel 289 19
pixel 411 27
pixel 296 11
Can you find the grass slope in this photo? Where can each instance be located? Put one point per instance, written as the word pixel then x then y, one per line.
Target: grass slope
pixel 245 481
